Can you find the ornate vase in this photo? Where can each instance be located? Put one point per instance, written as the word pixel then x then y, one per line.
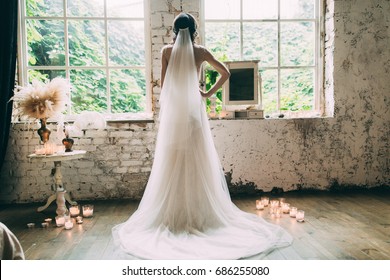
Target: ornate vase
pixel 43 131
pixel 68 143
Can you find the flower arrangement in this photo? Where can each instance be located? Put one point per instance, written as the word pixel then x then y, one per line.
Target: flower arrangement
pixel 41 101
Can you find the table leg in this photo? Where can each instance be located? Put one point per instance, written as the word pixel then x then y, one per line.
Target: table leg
pixel 49 201
pixel 68 199
pixel 60 196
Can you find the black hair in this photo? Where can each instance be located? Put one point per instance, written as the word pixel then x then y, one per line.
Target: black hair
pixel 185 20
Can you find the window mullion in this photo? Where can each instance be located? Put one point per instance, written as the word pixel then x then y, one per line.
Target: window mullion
pixel 241 32
pixel 108 83
pixel 67 51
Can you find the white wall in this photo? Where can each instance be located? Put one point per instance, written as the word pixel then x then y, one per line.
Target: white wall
pixel 348 150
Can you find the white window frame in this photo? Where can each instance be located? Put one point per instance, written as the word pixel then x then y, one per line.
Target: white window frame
pixel 319 51
pixel 23 66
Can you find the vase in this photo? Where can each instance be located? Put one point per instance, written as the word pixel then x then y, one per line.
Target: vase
pixel 44 131
pixel 68 143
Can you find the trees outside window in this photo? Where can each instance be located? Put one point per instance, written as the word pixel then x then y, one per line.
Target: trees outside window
pixel 285 35
pixel 99 45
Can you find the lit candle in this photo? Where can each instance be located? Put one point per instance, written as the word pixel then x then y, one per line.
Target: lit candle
pixel 293 212
pixel 265 201
pixel 68 224
pixel 274 203
pixel 60 221
pixel 278 211
pixel 87 211
pixel 259 205
pixel 30 225
pixel 74 210
pixel 300 216
pixel 79 220
pixel 286 208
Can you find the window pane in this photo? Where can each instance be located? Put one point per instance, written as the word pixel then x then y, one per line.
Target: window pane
pixel 125 8
pixel 86 42
pixel 297 89
pixel 261 42
pixel 128 90
pixel 222 9
pixel 89 90
pixel 44 8
pixel 260 9
pixel 123 36
pixel 223 40
pixel 45 42
pixel 86 8
pixel 45 75
pixel 297 43
pixel 297 9
pixel 269 87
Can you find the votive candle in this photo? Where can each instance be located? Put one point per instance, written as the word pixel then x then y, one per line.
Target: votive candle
pixel 60 221
pixel 286 208
pixel 300 216
pixel 259 205
pixel 68 224
pixel 293 212
pixel 265 201
pixel 79 219
pixel 87 211
pixel 74 210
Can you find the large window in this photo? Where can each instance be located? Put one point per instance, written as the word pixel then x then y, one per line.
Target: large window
pixel 99 45
pixel 285 35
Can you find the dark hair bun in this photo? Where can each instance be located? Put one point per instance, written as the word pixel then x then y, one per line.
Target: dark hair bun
pixel 183 21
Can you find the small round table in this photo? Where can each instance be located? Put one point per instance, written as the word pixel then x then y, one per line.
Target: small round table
pixel 60 196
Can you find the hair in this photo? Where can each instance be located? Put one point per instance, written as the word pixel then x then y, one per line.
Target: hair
pixel 183 21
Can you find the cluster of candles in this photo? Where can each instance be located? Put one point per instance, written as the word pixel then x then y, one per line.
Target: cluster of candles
pixel 74 214
pixel 70 216
pixel 49 149
pixel 279 207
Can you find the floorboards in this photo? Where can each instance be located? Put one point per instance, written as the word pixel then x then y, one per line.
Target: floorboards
pixel 338 226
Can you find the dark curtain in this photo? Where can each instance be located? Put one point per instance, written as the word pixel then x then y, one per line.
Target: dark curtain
pixel 8 47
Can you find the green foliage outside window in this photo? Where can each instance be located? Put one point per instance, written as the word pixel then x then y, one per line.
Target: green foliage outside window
pixel 88 71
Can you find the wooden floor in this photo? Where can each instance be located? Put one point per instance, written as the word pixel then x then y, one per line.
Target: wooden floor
pixel 338 226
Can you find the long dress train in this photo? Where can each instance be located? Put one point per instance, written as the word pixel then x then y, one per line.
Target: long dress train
pixel 186 211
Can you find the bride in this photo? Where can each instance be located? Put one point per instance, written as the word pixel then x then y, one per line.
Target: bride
pixel 186 211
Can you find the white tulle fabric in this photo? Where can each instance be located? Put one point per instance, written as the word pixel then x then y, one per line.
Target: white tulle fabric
pixel 186 211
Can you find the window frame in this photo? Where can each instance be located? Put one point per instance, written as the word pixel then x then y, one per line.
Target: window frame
pixel 23 67
pixel 319 57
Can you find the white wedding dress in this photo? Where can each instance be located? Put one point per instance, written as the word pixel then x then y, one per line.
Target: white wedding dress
pixel 186 211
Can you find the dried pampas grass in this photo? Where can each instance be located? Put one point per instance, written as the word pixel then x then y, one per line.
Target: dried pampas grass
pixel 42 101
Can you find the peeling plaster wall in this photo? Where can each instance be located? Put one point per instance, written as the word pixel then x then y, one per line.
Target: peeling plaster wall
pixel 349 148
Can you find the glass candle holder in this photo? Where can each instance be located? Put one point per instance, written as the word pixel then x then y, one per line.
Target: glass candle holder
pixel 278 212
pixel 74 210
pixel 259 205
pixel 300 216
pixel 69 224
pixel 274 203
pixel 79 219
pixel 60 221
pixel 293 212
pixel 265 201
pixel 286 208
pixel 87 210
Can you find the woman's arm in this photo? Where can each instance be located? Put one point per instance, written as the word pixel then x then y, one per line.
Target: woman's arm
pixel 221 69
pixel 164 65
